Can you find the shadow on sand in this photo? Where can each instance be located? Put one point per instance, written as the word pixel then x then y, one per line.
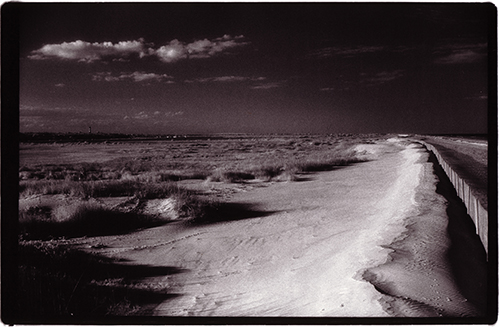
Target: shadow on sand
pixel 60 285
pixel 90 222
pixel 224 212
pixel 466 254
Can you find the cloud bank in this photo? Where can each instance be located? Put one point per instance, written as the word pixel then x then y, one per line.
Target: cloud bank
pixel 135 77
pixel 89 52
pixel 205 48
pixel 381 77
pixel 174 51
pixel 344 51
pixel 257 83
pixel 460 53
pixel 225 79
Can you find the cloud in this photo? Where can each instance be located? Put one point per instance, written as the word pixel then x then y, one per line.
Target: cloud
pixel 481 95
pixel 143 115
pixel 344 51
pixel 257 82
pixel 460 53
pixel 173 114
pixel 40 110
pixel 176 50
pixel 60 85
pixel 172 52
pixel 135 77
pixel 224 79
pixel 327 89
pixel 266 86
pixel 48 118
pixel 90 52
pixel 382 77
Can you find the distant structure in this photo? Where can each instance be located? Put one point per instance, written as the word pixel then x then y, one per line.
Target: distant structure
pixel 90 130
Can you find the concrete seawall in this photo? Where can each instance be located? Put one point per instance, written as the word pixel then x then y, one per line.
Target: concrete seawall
pixel 475 209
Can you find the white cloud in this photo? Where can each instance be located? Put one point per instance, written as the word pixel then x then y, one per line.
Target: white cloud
pixel 382 77
pixel 256 82
pixel 156 116
pixel 172 52
pixel 142 76
pixel 225 79
pixel 104 76
pixel 205 48
pixel 141 115
pixel 89 52
pixel 478 96
pixel 266 86
pixel 460 53
pixel 230 79
pixel 344 51
pixel 175 113
pixel 122 51
pixel 135 77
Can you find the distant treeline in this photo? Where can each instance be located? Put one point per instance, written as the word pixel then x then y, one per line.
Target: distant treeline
pixel 72 137
pixel 47 137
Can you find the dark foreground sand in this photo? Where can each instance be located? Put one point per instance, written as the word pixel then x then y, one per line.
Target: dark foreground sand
pixel 369 240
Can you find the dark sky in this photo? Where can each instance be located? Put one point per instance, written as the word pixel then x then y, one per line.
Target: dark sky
pixel 259 68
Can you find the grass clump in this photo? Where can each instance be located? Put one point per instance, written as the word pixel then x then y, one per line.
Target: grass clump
pixel 328 161
pixel 229 176
pixel 85 218
pixel 32 187
pixel 268 172
pixel 101 188
pixel 89 217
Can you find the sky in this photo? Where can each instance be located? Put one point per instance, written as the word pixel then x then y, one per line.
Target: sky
pixel 254 68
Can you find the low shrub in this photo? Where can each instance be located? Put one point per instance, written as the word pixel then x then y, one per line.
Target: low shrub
pixel 100 188
pixel 110 188
pixel 328 161
pixel 229 176
pixel 159 190
pixel 133 166
pixel 31 187
pixel 268 172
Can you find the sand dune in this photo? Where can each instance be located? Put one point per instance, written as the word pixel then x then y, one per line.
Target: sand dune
pixel 367 240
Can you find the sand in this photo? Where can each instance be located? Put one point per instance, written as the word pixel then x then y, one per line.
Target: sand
pixel 367 240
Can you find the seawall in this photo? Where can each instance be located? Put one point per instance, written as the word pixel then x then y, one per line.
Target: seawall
pixel 475 209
